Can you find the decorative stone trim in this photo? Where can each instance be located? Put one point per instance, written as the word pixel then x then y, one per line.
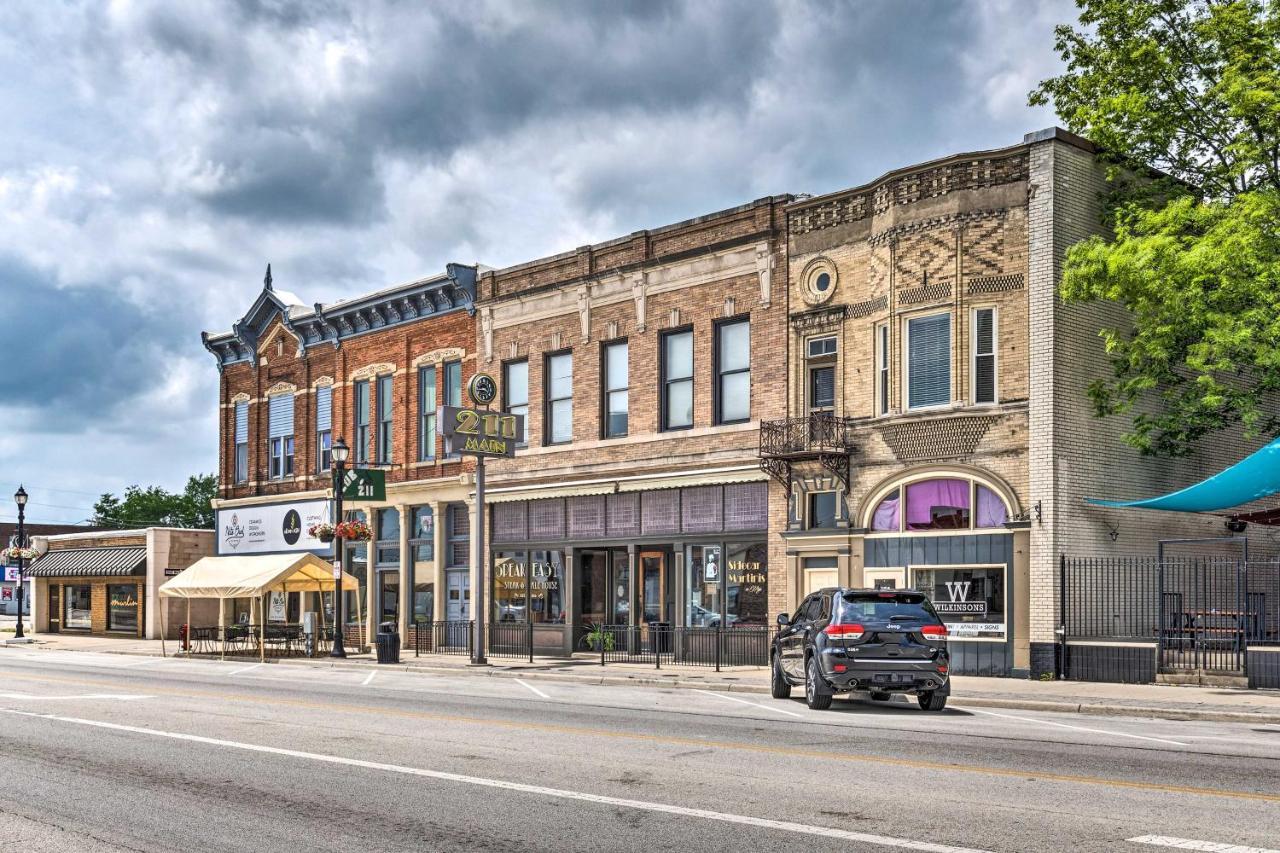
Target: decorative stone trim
pixel 821 318
pixel 435 357
pixel 372 370
pixel 241 398
pixel 951 220
pixel 282 388
pixel 871 306
pixel 995 283
pixel 809 276
pixel 938 438
pixel 926 293
pixel 323 382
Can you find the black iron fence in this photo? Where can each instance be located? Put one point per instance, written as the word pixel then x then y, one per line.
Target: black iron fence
pixel 454 637
pixel 1195 614
pixel 807 433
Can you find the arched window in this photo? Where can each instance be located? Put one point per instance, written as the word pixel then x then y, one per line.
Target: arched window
pixel 939 503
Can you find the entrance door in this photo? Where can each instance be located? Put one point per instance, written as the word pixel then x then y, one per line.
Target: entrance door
pixel 458 592
pixel 55 608
pixel 655 589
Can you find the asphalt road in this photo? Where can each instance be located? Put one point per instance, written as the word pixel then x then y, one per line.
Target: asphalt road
pixel 111 753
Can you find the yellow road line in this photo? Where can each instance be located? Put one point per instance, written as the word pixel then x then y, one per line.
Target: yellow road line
pixel 580 731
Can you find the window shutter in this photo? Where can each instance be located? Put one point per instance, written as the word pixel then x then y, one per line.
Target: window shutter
pixel 324 409
pixel 280 415
pixel 984 360
pixel 929 361
pixel 242 423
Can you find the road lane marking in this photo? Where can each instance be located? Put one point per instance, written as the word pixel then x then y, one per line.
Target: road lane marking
pixel 531 688
pixel 121 696
pixel 752 704
pixel 142 662
pixel 676 740
pixel 1192 844
pixel 520 787
pixel 368 679
pixel 244 669
pixel 1076 728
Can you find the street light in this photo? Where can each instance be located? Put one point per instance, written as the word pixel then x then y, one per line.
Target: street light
pixel 20 498
pixel 340 453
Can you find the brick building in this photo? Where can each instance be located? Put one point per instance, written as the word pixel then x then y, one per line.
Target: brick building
pixel 939 431
pixel 9 536
pixel 371 370
pixel 644 366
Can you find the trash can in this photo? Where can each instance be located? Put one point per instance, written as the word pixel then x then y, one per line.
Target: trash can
pixel 388 642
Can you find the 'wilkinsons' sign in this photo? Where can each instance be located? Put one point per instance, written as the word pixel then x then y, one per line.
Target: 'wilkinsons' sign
pixel 270 528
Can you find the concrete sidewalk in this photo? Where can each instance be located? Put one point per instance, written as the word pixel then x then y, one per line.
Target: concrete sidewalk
pixel 1084 697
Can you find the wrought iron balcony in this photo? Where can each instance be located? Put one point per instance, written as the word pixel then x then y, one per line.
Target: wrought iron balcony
pixel 806 437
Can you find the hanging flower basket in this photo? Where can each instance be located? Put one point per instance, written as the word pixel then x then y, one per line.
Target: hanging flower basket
pixel 323 531
pixel 19 553
pixel 353 531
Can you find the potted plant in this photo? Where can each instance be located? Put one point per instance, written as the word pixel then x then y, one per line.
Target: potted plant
pixel 353 531
pixel 322 531
pixel 597 637
pixel 16 553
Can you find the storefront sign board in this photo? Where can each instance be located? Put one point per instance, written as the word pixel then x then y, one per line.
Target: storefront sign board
pixel 11 574
pixel 271 528
pixel 364 484
pixel 480 432
pixel 276 607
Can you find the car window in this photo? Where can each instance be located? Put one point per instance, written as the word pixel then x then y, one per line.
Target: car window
pixel 813 608
pixel 799 614
pixel 883 606
pixel 824 607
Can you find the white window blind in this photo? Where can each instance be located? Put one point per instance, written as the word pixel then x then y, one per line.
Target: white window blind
pixel 929 361
pixel 280 415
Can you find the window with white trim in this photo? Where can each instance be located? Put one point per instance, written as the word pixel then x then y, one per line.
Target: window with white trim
pixel 280 436
pixel 363 402
pixel 558 390
pixel 384 418
pixel 426 413
pixel 927 351
pixel 820 358
pixel 676 369
pixel 451 391
pixel 242 442
pixel 615 374
pixel 984 355
pixel 515 393
pixel 733 372
pixel 882 368
pixel 324 428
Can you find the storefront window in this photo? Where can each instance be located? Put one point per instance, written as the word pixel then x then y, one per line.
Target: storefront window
pixel 122 607
pixel 388 596
pixel 546 586
pixel 510 586
pixel 77 611
pixel 747 584
pixel 388 535
pixel 941 504
pixel 970 601
pixel 423 535
pixel 528 585
pixel 705 573
pixel 358 565
pixel 424 602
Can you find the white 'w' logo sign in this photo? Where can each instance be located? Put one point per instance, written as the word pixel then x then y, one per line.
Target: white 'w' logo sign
pixel 959 590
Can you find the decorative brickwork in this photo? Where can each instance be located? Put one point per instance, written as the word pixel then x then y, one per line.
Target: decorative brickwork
pixel 942 438
pixel 866 309
pixel 995 284
pixel 926 293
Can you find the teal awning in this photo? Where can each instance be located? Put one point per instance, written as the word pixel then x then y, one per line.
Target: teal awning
pixel 1254 477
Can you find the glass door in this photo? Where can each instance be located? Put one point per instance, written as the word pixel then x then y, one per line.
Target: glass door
pixel 593 587
pixel 55 608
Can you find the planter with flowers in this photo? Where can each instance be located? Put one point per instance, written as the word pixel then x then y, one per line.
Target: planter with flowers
pixel 14 553
pixel 353 531
pixel 323 531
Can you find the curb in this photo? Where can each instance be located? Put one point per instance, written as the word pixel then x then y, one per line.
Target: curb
pixel 678 683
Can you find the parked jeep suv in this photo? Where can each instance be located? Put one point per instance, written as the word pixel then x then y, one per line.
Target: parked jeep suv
pixel 879 641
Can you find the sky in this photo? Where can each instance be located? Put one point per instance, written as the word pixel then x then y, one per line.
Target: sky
pixel 155 156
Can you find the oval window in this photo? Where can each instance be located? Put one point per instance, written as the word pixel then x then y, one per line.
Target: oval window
pixel 822 282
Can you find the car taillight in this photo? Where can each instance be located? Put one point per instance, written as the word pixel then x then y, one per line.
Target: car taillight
pixel 849 630
pixel 934 632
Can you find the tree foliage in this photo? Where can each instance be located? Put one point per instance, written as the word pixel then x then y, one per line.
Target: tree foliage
pixel 1191 88
pixel 155 506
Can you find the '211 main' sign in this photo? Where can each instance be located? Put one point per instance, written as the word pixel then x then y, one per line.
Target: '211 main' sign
pixel 481 432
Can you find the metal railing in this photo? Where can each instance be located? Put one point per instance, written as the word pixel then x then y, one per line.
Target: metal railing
pixel 453 637
pixel 820 432
pixel 657 643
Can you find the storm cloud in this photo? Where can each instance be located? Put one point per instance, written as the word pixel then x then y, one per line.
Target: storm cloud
pixel 154 156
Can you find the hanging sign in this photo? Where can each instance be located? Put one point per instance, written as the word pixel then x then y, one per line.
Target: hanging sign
pixel 337 570
pixel 480 432
pixel 11 574
pixel 276 607
pixel 364 484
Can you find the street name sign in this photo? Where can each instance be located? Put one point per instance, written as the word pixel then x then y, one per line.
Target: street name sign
pixel 480 432
pixel 364 484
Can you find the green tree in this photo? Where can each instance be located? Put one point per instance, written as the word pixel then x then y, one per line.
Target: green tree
pixel 1190 88
pixel 155 506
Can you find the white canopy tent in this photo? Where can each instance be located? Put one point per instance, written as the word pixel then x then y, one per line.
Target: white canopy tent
pixel 254 576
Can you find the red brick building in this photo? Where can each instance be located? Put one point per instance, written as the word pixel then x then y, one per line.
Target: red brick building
pixel 644 366
pixel 371 370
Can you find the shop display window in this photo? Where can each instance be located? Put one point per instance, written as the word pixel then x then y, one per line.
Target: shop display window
pixel 971 601
pixel 122 607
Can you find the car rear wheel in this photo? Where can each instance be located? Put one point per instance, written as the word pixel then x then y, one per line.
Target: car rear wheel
pixel 932 700
pixel 817 694
pixel 881 697
pixel 779 687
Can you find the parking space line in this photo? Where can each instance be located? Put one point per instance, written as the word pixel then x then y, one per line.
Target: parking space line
pixel 752 704
pixel 1074 728
pixel 368 679
pixel 531 688
pixel 1193 844
pixel 244 669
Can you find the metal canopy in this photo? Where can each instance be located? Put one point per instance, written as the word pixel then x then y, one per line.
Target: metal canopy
pixel 90 562
pixel 1255 477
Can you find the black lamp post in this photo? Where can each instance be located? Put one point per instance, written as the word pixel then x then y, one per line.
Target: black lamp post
pixel 20 498
pixel 340 454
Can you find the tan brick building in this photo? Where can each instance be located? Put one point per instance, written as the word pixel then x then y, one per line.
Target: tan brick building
pixel 644 366
pixel 373 371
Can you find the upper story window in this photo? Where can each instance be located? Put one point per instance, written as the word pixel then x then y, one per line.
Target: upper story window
pixel 823 510
pixel 939 503
pixel 984 355
pixel 676 379
pixel 615 376
pixel 733 372
pixel 280 436
pixel 362 403
pixel 451 394
pixel 882 369
pixel 820 361
pixel 515 393
pixel 558 418
pixel 384 418
pixel 324 428
pixel 928 361
pixel 242 442
pixel 426 413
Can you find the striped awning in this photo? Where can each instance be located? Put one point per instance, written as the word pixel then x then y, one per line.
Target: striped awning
pixel 90 562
